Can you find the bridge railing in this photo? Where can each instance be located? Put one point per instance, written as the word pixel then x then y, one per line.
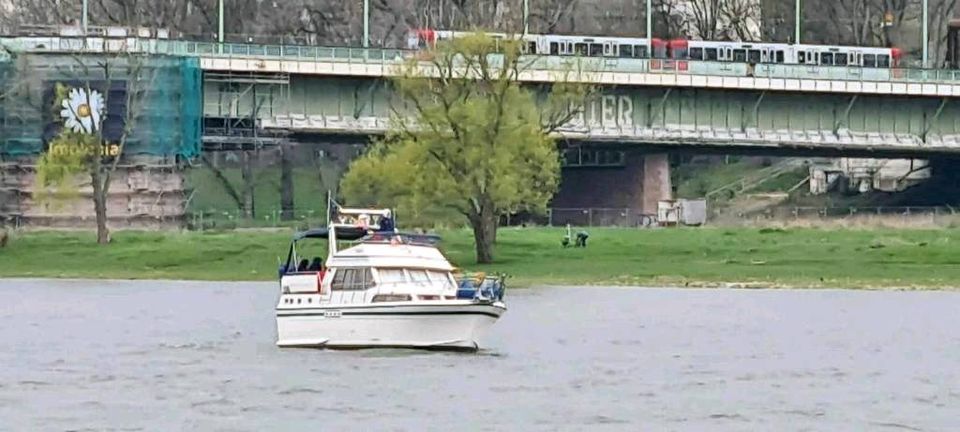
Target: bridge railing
pixel 392 56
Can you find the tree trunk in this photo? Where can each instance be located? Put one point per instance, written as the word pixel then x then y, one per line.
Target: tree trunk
pixel 100 207
pixel 286 183
pixel 249 185
pixel 484 234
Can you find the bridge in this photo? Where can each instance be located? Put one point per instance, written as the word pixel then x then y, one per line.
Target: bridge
pixel 820 109
pixel 256 95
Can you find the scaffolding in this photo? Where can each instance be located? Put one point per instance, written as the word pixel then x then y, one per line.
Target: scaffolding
pixel 166 91
pixel 235 104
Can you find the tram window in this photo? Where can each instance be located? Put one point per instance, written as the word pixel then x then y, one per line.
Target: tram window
pixel 554 48
pixel 779 57
pixel 753 56
pixel 826 58
pixel 739 55
pixel 841 59
pixel 869 60
pixel 801 57
pixel 696 53
pixel 883 61
pixel 711 54
pixel 531 47
pixel 596 50
pixel 580 48
pixel 626 51
pixel 640 51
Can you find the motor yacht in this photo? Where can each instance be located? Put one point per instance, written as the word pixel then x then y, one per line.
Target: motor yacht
pixel 384 289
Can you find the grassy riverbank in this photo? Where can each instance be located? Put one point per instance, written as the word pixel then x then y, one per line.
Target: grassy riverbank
pixel 697 257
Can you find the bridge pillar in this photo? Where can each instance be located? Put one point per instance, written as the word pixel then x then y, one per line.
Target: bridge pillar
pixel 656 181
pixel 635 184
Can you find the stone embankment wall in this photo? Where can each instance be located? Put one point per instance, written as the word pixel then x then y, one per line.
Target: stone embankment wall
pixel 143 194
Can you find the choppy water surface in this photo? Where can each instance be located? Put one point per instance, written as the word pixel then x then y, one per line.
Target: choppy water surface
pixel 170 356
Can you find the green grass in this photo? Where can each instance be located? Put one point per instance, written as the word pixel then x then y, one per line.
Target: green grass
pixel 533 256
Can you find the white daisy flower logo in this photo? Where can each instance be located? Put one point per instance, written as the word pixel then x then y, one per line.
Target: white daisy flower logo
pixel 81 111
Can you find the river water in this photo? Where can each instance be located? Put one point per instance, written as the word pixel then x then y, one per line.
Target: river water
pixel 165 356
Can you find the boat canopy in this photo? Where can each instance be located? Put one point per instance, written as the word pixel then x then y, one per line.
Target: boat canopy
pixel 343 233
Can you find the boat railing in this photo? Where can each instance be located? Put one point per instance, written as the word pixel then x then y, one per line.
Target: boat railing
pixel 481 286
pixel 388 237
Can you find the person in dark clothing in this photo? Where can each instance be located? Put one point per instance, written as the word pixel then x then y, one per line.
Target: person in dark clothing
pixel 316 265
pixel 582 239
pixel 386 223
pixel 303 265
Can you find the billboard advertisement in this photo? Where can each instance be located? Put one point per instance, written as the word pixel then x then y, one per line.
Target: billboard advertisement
pixel 87 107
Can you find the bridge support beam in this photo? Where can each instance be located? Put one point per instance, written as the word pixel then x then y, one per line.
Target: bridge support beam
pixel 844 119
pixel 928 123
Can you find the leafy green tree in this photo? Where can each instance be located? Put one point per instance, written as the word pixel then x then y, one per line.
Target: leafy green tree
pixel 469 137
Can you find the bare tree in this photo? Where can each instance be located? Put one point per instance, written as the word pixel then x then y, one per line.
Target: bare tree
pixel 741 19
pixel 88 143
pixel 704 18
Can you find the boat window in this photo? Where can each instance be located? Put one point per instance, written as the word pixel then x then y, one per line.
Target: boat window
pixel 418 275
pixel 391 276
pixel 711 54
pixel 390 298
pixel 440 278
pixel 869 60
pixel 696 53
pixel 349 279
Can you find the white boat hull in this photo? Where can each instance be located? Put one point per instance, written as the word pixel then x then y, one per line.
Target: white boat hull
pixel 447 324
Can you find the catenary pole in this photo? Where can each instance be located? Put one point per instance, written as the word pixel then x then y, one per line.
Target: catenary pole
pixel 796 23
pixel 526 16
pixel 220 26
pixel 926 40
pixel 366 23
pixel 650 28
pixel 83 20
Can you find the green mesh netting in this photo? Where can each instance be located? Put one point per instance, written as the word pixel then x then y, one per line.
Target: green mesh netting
pixel 164 98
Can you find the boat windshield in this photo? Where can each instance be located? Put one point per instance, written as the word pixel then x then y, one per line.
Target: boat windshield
pixel 434 278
